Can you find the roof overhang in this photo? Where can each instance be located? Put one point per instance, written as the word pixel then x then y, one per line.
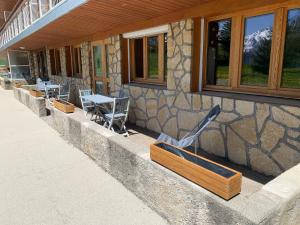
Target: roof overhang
pixel 75 21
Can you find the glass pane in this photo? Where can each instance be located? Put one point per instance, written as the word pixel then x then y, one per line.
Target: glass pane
pixel 34 7
pixel 152 57
pixel 257 50
pixel 20 21
pixel 165 56
pixel 107 61
pixel 55 2
pixel 99 88
pixel 218 52
pixel 18 58
pixel 26 14
pixel 291 63
pixel 44 6
pixel 75 61
pixel 139 57
pixel 97 51
pixel 20 72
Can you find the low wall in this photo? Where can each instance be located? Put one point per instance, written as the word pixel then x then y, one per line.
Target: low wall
pixel 265 137
pixel 7 84
pixel 173 197
pixel 37 105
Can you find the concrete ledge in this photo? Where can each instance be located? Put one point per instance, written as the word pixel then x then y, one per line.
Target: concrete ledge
pixel 173 197
pixel 7 84
pixel 37 105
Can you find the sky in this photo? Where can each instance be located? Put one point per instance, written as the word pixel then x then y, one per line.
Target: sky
pixel 257 23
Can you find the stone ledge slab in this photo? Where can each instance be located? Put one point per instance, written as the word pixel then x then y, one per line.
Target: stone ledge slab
pixel 173 197
pixel 37 105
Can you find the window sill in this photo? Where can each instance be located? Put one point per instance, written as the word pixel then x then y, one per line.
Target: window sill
pixel 274 100
pixel 150 86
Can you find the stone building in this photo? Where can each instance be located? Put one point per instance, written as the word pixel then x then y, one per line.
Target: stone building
pixel 176 62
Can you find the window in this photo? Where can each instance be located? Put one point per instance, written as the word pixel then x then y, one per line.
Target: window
pixel 55 61
pixel 255 53
pixel 42 64
pixel 68 55
pixel 149 59
pixel 291 62
pixel 100 75
pixel 26 15
pixel 76 61
pixel 44 6
pixel 19 64
pixel 257 50
pixel 34 10
pixel 218 52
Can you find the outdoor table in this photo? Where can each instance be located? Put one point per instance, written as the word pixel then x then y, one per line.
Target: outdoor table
pixel 99 99
pixel 50 86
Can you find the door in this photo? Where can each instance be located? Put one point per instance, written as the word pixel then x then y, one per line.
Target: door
pixel 100 77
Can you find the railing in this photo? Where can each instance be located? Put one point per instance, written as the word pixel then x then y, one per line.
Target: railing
pixel 27 13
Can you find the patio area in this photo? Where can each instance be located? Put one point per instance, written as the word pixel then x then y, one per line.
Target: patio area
pixel 41 178
pixel 127 159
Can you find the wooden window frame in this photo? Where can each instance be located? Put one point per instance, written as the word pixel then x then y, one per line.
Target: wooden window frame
pixel 76 61
pixel 55 62
pixel 160 80
pixel 273 87
pixel 104 78
pixel 69 61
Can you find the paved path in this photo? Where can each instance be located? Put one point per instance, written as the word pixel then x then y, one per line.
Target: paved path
pixel 44 180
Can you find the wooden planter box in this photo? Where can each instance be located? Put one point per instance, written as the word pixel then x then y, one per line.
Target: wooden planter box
pixel 36 93
pixel 64 106
pixel 212 176
pixel 17 85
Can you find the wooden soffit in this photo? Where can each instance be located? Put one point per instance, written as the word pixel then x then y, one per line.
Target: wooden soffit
pixel 99 19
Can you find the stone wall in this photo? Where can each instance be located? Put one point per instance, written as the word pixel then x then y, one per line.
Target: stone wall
pixel 75 83
pixel 114 64
pixel 161 189
pixel 264 137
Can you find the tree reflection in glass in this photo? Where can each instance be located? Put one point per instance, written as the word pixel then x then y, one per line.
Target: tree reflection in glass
pixel 218 52
pixel 257 50
pixel 291 63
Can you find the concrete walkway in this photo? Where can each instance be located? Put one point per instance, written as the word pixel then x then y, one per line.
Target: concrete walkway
pixel 44 180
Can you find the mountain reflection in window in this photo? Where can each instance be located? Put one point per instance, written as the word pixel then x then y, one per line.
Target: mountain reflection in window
pixel 218 52
pixel 291 63
pixel 257 50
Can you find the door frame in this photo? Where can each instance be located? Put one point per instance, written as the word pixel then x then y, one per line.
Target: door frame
pixel 104 78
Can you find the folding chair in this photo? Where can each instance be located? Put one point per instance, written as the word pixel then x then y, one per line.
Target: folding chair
pixel 87 106
pixel 118 116
pixel 64 92
pixel 189 138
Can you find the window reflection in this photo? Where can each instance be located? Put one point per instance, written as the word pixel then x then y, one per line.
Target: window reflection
pixel 153 57
pixel 291 63
pixel 218 52
pixel 257 50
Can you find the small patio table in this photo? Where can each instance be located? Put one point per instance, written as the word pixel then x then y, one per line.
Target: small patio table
pixel 99 99
pixel 49 86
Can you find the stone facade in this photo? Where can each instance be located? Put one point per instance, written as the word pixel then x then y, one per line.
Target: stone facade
pixel 113 48
pixel 264 137
pixel 74 82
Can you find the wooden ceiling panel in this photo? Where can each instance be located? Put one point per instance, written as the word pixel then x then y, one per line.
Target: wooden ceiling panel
pixel 6 5
pixel 100 18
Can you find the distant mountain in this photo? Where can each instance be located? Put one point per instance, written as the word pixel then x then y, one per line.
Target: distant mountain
pixel 294 22
pixel 252 40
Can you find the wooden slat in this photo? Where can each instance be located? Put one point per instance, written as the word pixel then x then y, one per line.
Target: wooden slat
pixel 97 20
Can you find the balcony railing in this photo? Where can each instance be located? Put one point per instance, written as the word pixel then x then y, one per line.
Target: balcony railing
pixel 27 13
